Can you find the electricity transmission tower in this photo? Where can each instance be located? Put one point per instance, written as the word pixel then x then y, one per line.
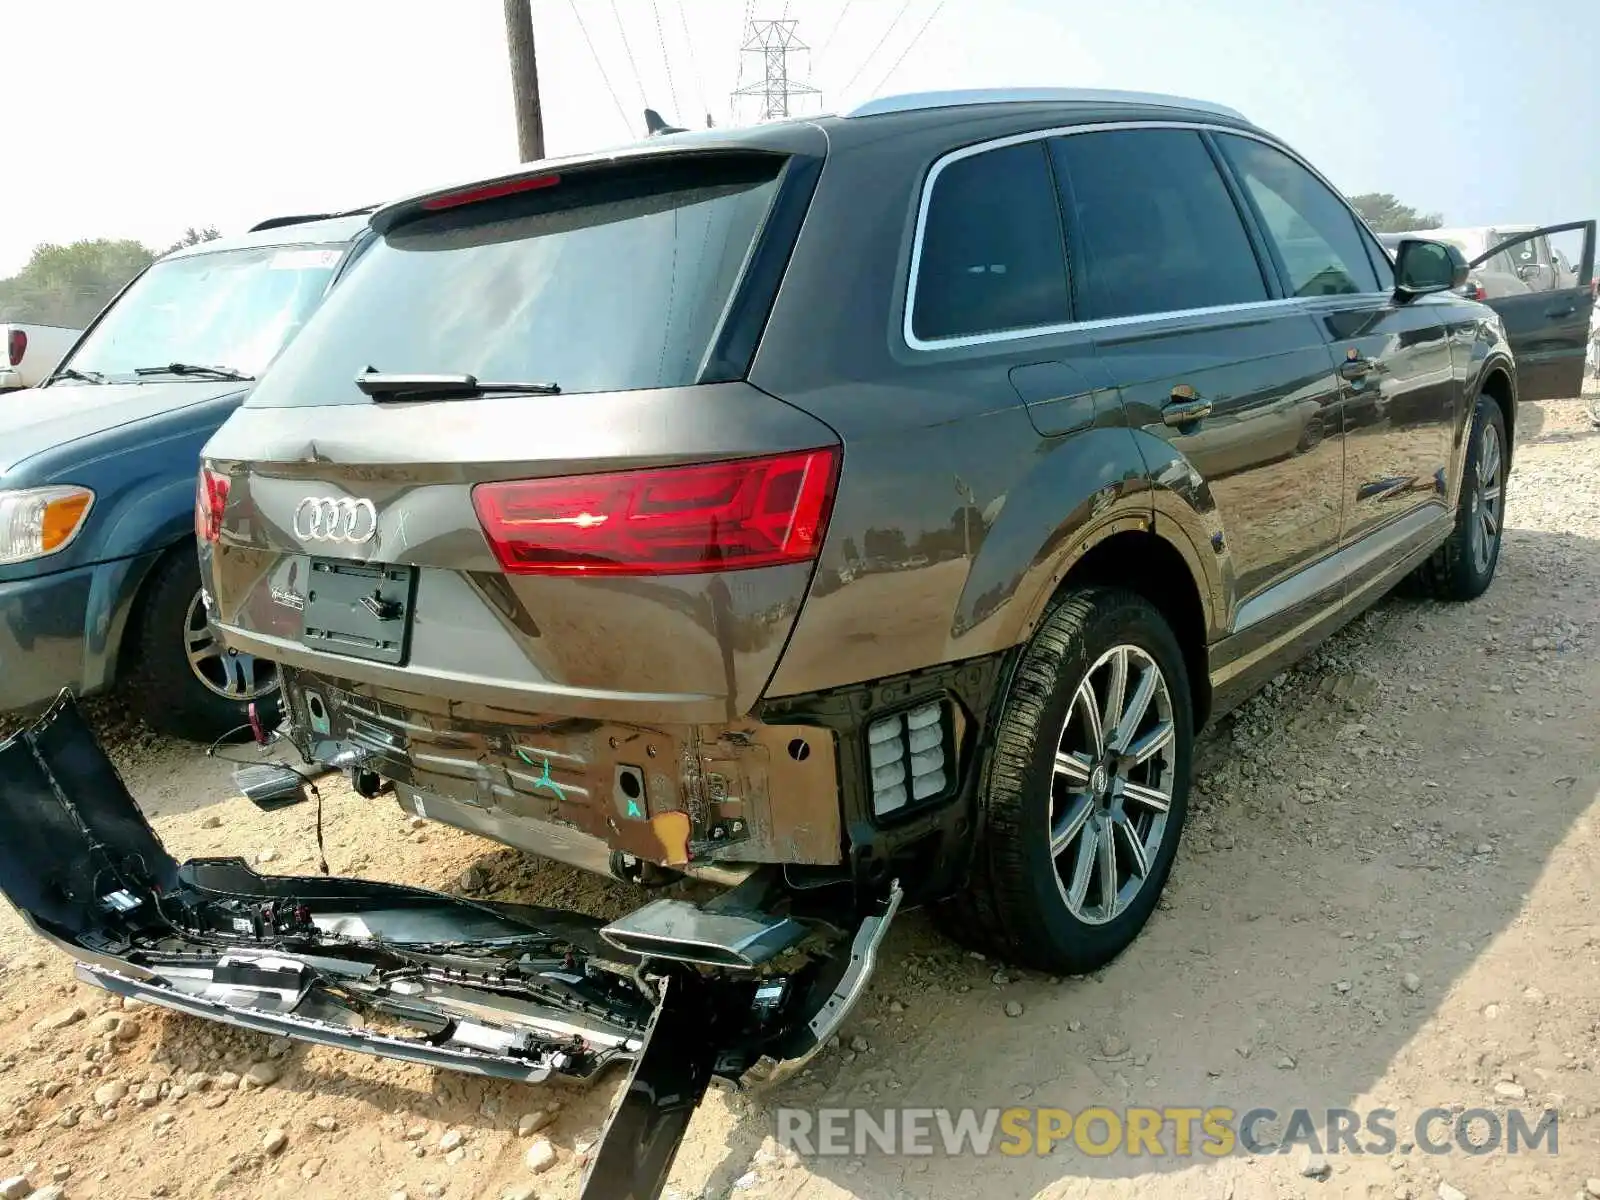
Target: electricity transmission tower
pixel 774 41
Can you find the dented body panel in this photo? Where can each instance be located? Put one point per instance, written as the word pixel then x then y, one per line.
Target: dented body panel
pixel 676 795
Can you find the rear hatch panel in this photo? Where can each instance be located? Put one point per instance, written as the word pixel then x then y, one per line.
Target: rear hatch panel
pixel 669 648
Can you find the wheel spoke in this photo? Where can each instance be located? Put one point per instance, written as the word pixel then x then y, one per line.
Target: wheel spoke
pixel 1146 796
pixel 1138 704
pixel 245 669
pixel 202 645
pixel 1085 700
pixel 1135 844
pixel 1073 769
pixel 1491 494
pixel 1116 692
pixel 1083 867
pixel 1151 744
pixel 1490 459
pixel 1108 872
pixel 1491 523
pixel 1070 825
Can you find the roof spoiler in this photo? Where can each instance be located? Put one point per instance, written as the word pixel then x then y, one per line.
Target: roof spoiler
pixel 304 218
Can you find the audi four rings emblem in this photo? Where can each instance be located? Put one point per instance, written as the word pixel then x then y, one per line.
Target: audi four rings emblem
pixel 330 519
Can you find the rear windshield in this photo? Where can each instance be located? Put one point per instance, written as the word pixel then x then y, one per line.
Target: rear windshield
pixel 226 308
pixel 607 280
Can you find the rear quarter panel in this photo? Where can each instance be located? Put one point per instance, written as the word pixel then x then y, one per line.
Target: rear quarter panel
pixel 955 517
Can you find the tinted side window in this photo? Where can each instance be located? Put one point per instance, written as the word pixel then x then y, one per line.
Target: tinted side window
pixel 992 257
pixel 1315 235
pixel 1155 224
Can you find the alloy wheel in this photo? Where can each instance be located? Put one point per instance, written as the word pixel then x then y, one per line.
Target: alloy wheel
pixel 1487 503
pixel 227 673
pixel 1111 785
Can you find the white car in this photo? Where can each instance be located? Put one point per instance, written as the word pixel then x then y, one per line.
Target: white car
pixel 28 353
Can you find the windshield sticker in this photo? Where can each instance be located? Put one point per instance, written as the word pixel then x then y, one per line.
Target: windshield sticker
pixel 304 260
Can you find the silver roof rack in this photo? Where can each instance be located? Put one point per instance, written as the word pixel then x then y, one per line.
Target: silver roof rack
pixel 950 99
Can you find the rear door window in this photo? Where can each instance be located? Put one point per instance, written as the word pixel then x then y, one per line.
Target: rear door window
pixel 1154 223
pixel 1313 232
pixel 991 258
pixel 606 280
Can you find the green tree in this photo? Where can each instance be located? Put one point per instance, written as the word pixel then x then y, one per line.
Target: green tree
pixel 68 285
pixel 193 237
pixel 1387 215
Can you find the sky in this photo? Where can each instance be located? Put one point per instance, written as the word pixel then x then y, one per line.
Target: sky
pixel 137 120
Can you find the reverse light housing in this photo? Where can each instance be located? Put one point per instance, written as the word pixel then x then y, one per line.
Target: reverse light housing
pixel 210 499
pixel 37 522
pixel 724 516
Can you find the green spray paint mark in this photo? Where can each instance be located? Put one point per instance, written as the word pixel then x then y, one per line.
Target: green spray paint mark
pixel 544 780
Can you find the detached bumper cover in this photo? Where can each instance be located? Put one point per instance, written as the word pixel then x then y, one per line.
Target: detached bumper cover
pixel 512 991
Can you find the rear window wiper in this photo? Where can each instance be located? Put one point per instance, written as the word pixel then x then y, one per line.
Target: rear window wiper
pixel 196 369
pixel 74 373
pixel 383 387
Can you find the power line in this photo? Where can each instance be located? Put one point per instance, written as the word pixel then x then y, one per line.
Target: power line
pixel 699 87
pixel 837 21
pixel 601 67
pixel 672 88
pixel 873 52
pixel 878 91
pixel 638 80
pixel 744 29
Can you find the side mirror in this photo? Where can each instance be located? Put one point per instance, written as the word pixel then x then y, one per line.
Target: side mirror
pixel 1422 267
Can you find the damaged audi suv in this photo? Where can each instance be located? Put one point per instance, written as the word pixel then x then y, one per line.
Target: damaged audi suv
pixel 852 511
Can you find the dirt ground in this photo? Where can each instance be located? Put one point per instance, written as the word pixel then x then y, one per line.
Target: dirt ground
pixel 1383 900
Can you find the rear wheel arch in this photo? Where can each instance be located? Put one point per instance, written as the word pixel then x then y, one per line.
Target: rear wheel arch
pixel 1152 567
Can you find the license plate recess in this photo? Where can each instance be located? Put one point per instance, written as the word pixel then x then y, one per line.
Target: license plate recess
pixel 360 610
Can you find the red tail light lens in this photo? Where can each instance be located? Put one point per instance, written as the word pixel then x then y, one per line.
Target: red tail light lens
pixel 754 512
pixel 211 497
pixel 16 345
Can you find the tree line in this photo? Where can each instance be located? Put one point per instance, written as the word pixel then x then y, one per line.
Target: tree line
pixel 69 285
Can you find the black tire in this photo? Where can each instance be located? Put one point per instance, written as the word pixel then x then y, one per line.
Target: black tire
pixel 1459 570
pixel 1015 906
pixel 162 686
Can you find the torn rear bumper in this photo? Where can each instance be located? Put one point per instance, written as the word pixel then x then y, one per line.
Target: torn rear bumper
pixel 746 988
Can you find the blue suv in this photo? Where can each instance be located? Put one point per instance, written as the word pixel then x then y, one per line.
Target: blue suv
pixel 99 582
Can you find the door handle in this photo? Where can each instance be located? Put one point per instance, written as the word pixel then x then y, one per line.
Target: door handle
pixel 1185 406
pixel 1357 368
pixel 1562 312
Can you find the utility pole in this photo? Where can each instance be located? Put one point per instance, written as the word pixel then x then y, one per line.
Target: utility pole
pixel 524 80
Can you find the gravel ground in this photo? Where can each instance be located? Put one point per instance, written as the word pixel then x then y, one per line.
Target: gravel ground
pixel 1383 900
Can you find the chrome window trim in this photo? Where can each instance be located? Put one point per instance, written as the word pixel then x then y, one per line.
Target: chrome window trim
pixel 913 342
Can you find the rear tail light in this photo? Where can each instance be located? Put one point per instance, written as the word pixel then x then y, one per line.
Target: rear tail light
pixel 210 499
pixel 754 512
pixel 16 345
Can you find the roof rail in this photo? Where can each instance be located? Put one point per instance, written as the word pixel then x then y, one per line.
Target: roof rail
pixel 913 101
pixel 303 218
